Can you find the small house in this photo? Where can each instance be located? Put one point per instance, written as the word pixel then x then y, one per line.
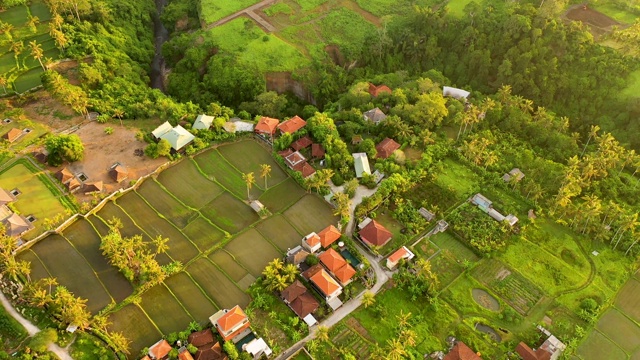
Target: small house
pixel 184 354
pixel 230 322
pixel 402 253
pixel 428 215
pixel 292 125
pixel 92 187
pixel 159 350
pixel 118 173
pixel 302 143
pixel 73 184
pixel 13 135
pixel 375 91
pixel 257 206
pixel 266 126
pixel 6 197
pixel 460 351
pixel 161 130
pixel 16 225
pixel 64 175
pixel 294 160
pixel 337 265
pixel 317 151
pixel 323 282
pixel 297 255
pixel 376 116
pixel 455 93
pixel 356 139
pixel 311 242
pixel 257 348
pixel 515 174
pixel 297 297
pixel 203 122
pixel 374 234
pixel 481 201
pixel 361 164
pixel 386 148
pixel 329 235
pixel 178 137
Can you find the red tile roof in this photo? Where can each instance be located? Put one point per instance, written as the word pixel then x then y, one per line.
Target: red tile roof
pixel 160 349
pixel 201 338
pixel 386 147
pixel 303 142
pixel 230 320
pixel 345 273
pixel 312 240
pixel 285 153
pixel 332 260
pixel 317 151
pixel 295 160
pixel 292 125
pixel 399 254
pixel 304 305
pixel 329 235
pixel 185 355
pixel 377 90
pixel 13 134
pixel 64 175
pixel 210 353
pixel 529 354
pixel 324 282
pixel 292 291
pixel 310 272
pixel 375 234
pixel 307 170
pixel 267 125
pixel 461 351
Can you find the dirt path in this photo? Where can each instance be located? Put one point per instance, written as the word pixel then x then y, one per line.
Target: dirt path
pixel 62 353
pixel 249 11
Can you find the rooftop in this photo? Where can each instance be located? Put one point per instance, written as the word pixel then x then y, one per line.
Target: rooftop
pixel 267 125
pixel 375 234
pixel 292 125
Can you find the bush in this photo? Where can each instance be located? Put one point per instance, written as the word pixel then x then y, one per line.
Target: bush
pixel 337 179
pixel 41 340
pixel 108 130
pixel 311 260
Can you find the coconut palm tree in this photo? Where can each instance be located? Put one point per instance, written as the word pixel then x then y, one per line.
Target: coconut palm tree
pixel 120 342
pixel 37 53
pixel 265 172
pixel 161 244
pixel 322 333
pixel 368 299
pixel 249 179
pixel 395 350
pixel 17 47
pixel 118 113
pixel 3 82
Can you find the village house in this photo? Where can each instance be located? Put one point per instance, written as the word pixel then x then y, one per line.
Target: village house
pixel 161 130
pixel 68 179
pixel 302 143
pixel 13 135
pixel 178 137
pixel 356 139
pixel 324 284
pixel 317 151
pixel 257 348
pixel 208 347
pixel 374 234
pixel 267 126
pixel 402 253
pixel 329 235
pixel 203 122
pixel 551 349
pixel 292 125
pixel 375 91
pixel 297 297
pixel 515 173
pixel 361 164
pixel 455 92
pixel 184 354
pixel 376 116
pixel 311 242
pixel 159 350
pixel 297 255
pixel 118 173
pixel 297 162
pixel 426 214
pixel 486 205
pixel 386 148
pixel 338 266
pixel 231 323
pixel 92 187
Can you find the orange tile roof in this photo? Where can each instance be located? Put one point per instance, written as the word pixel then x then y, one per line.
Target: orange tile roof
pixel 312 271
pixel 332 260
pixel 313 240
pixel 461 351
pixel 160 349
pixel 399 254
pixel 386 147
pixel 64 175
pixel 528 353
pixel 317 151
pixel 375 234
pixel 230 320
pixel 307 170
pixel 267 125
pixel 329 235
pixel 146 357
pixel 377 90
pixel 13 134
pixel 325 282
pixel 292 125
pixel 345 273
pixel 302 143
pixel 185 355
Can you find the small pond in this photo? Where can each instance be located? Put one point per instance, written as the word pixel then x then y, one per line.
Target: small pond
pixel 489 330
pixel 485 300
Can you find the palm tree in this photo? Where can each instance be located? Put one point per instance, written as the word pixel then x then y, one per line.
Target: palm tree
pixel 322 333
pixel 368 299
pixel 118 113
pixel 37 53
pixel 3 82
pixel 161 244
pixel 7 28
pixel 403 319
pixel 249 179
pixel 17 47
pixel 100 322
pixel 593 132
pixel 120 342
pixel 265 172
pixel 409 337
pixel 61 39
pixel 33 22
pixel 290 271
pixel 395 350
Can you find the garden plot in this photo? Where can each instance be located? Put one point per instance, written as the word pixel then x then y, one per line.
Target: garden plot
pixel 216 285
pixel 596 347
pixel 253 251
pixel 229 213
pixel 164 310
pixel 629 301
pixel 191 297
pixel 132 320
pixel 458 178
pixel 165 204
pixel 38 271
pixel 235 271
pixel 180 248
pixel 446 240
pixel 203 234
pixel 248 156
pixel 446 267
pixel 282 196
pixel 185 182
pixel 310 214
pixel 347 338
pixel 558 240
pixel 620 330
pixel 280 233
pixel 516 290
pixel 74 272
pixel 212 163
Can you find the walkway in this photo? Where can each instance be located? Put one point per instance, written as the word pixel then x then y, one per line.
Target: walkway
pixel 250 12
pixel 62 353
pixel 382 276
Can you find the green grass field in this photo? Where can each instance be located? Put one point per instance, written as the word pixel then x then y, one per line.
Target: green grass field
pixel 212 280
pixel 252 251
pixel 203 234
pixel 628 299
pixel 132 320
pixel 191 296
pixel 620 330
pixel 229 265
pixel 187 184
pixel 214 10
pixel 448 241
pixel 458 178
pixel 165 204
pixel 280 233
pixel 456 7
pixel 633 87
pixel 248 156
pixel 168 314
pixel 281 196
pixel 214 165
pixel 597 346
pixel 229 213
pixel 306 217
pixel 614 11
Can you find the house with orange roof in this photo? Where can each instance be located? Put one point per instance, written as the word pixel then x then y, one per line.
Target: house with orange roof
pixel 326 285
pixel 460 351
pixel 230 322
pixel 337 265
pixel 292 125
pixel 402 253
pixel 329 235
pixel 302 143
pixel 159 350
pixel 386 148
pixel 13 135
pixel 375 91
pixel 374 234
pixel 345 274
pixel 317 151
pixel 311 242
pixel 266 126
pixel 184 354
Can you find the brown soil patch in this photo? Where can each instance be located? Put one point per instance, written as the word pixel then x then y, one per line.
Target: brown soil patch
pixel 44 109
pixel 590 17
pixel 357 327
pixel 335 54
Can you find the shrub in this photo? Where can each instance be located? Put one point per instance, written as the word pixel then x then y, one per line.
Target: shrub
pixel 108 130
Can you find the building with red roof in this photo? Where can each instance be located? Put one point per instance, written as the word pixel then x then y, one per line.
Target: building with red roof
pixel 327 286
pixel 317 151
pixel 329 235
pixel 386 148
pixel 266 126
pixel 377 90
pixel 402 253
pixel 461 351
pixel 292 125
pixel 311 242
pixel 337 265
pixel 300 301
pixel 302 143
pixel 230 323
pixel 160 349
pixel 374 234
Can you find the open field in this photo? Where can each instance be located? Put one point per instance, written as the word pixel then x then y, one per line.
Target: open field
pixel 628 299
pixel 229 213
pixel 281 196
pixel 253 251
pixel 278 230
pixel 214 10
pixel 187 184
pixel 633 87
pixel 620 330
pixel 212 280
pixel 167 314
pixel 305 218
pixel 448 241
pixel 132 320
pixel 165 204
pixel 597 346
pixel 215 166
pixel 190 295
pixel 458 178
pixel 248 156
pixel 203 234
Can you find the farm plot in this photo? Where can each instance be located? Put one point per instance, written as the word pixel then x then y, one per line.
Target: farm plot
pixel 185 182
pixel 620 329
pixel 282 196
pixel 229 213
pixel 74 272
pixel 214 10
pixel 28 80
pixel 458 178
pixel 132 320
pixel 216 285
pixel 165 204
pixel 279 232
pixel 99 225
pixel 596 346
pixel 446 240
pixel 235 271
pixel 629 301
pixel 38 271
pixel 40 9
pixel 164 310
pixel 347 338
pixel 248 156
pixel 129 228
pixel 203 234
pixel 252 251
pixel 16 16
pixel 516 290
pixel 311 213
pixel 447 267
pixel 191 297
pixel 213 164
pixel 180 248
pixel 560 241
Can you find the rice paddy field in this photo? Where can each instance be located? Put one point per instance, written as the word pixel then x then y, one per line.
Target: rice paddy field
pixel 200 205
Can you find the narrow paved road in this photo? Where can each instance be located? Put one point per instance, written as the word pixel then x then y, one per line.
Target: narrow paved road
pixel 382 276
pixel 249 11
pixel 62 353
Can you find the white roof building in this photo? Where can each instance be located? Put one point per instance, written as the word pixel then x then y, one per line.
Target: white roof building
pixel 257 347
pixel 361 164
pixel 455 92
pixel 178 137
pixel 203 122
pixel 161 130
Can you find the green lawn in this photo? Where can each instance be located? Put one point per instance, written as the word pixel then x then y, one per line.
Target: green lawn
pixel 347 29
pixel 215 166
pixel 186 183
pixel 458 178
pixel 633 85
pixel 614 11
pixel 309 4
pixel 448 241
pixel 456 7
pixel 214 10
